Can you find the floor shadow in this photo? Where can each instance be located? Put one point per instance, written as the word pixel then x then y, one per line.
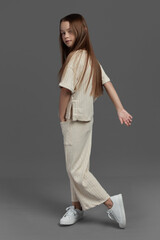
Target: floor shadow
pixel 32 194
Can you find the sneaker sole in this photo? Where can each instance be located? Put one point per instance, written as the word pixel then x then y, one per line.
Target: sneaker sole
pixel 71 223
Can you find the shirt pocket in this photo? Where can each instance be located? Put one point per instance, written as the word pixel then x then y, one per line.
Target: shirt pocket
pixel 66 132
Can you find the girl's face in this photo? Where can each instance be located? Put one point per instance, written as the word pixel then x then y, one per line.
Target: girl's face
pixel 67 34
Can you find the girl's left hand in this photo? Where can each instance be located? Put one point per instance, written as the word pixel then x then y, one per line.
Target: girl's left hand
pixel 124 116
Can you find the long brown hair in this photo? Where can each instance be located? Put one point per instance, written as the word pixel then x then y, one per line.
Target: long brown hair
pixel 80 30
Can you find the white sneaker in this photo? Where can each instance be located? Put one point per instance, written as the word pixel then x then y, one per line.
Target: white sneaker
pixel 71 216
pixel 117 211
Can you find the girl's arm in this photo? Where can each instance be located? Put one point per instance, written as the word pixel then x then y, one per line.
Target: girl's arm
pixel 123 115
pixel 65 95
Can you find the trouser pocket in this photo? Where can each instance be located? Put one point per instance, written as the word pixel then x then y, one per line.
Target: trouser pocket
pixel 66 132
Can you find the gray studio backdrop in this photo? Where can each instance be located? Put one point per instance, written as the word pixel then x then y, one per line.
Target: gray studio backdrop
pixel 34 186
pixel 125 38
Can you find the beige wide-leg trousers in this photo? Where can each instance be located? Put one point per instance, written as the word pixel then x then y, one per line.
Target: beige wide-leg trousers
pixel 77 139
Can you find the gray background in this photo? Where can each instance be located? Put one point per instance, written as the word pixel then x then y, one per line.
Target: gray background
pixel 34 187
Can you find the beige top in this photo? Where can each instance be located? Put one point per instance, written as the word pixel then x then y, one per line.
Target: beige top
pixel 80 106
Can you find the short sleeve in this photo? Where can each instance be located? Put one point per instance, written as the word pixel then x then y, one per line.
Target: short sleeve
pixel 68 79
pixel 105 78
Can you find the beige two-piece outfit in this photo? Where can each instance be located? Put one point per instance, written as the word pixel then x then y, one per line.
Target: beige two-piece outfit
pixel 77 134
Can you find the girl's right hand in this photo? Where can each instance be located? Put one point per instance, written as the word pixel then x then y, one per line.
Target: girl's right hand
pixel 62 119
pixel 124 116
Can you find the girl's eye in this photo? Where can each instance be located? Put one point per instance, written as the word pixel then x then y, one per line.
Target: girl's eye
pixel 70 31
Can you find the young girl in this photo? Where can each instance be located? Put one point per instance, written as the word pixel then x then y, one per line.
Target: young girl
pixel 81 81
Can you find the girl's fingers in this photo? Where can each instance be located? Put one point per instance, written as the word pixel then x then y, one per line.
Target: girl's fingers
pixel 127 124
pixel 121 120
pixel 130 120
pixel 127 119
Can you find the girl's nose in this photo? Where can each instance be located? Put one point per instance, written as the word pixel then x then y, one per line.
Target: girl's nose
pixel 66 35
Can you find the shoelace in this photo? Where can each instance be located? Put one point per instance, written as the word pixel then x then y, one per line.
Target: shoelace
pixel 111 216
pixel 70 211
